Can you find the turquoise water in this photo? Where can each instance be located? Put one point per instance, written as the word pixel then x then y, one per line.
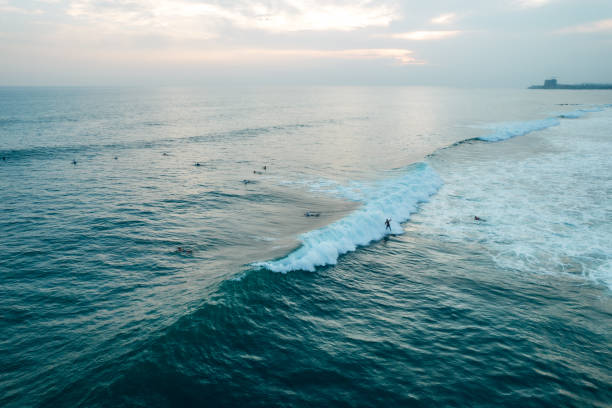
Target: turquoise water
pixel 273 308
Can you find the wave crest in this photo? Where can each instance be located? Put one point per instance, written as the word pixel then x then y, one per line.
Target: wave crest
pixel 576 114
pixel 509 130
pixel 395 198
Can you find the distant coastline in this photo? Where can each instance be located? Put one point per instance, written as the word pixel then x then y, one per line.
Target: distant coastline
pixel 552 84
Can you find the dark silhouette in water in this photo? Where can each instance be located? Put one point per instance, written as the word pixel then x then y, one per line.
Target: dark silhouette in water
pixel 74 161
pixel 184 250
pixel 553 84
pixel 197 164
pixel 311 214
pixel 388 224
pixel 477 218
pixel 115 157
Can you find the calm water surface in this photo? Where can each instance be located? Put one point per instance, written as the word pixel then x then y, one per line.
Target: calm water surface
pixel 273 308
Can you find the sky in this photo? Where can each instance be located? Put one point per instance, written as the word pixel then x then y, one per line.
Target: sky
pixel 461 43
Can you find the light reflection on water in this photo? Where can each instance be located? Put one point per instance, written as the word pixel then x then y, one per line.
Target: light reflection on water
pixel 88 252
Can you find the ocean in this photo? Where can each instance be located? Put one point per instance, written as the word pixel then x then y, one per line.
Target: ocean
pixel 491 288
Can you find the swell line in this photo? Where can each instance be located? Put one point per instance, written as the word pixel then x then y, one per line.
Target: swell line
pixel 395 198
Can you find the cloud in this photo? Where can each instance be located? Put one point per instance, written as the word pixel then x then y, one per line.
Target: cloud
pixel 165 18
pixel 531 3
pixel 257 55
pixel 199 16
pixel 7 7
pixel 404 57
pixel 424 35
pixel 316 15
pixel 592 27
pixel 444 18
pixel 526 4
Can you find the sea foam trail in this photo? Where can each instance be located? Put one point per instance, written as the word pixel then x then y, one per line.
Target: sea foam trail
pixel 503 131
pixel 581 112
pixel 394 198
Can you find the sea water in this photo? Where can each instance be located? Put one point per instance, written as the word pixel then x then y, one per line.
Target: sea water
pixel 270 307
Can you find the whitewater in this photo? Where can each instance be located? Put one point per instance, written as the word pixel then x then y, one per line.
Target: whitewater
pixel 288 290
pixel 546 231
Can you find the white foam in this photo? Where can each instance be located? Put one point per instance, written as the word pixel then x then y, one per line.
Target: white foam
pixel 507 130
pixel 546 213
pixel 576 114
pixel 395 198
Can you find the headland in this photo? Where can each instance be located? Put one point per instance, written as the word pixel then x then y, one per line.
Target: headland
pixel 553 84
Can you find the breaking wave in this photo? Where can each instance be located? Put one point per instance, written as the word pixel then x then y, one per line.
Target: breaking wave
pixel 395 198
pixel 504 131
pixel 580 112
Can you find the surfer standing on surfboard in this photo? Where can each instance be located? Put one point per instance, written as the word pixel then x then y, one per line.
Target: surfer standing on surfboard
pixel 388 224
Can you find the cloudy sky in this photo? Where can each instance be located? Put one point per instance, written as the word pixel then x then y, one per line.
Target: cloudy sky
pixel 508 43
